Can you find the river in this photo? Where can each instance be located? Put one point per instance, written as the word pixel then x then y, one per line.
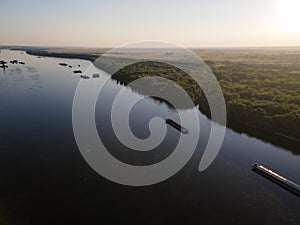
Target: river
pixel 45 179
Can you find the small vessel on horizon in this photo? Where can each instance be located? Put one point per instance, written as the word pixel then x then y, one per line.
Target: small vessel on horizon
pixel 14 61
pixel 77 71
pixel 62 64
pixel 85 77
pixel 3 64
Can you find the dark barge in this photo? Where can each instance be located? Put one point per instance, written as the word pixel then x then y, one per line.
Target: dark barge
pixel 3 64
pixel 177 126
pixel 276 178
pixel 85 77
pixel 14 61
pixel 77 71
pixel 63 64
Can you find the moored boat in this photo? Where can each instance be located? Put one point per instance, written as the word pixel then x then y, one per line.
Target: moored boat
pixel 276 178
pixel 77 71
pixel 85 77
pixel 177 126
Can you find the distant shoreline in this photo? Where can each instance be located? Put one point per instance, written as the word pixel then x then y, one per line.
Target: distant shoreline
pixel 278 139
pixel 63 55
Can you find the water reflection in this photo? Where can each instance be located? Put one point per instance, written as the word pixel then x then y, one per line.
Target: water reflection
pixel 41 167
pixel 31 69
pixel 150 69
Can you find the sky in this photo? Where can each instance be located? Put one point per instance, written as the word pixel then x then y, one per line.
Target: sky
pixel 110 23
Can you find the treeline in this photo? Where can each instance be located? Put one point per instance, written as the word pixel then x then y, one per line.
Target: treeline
pixel 265 96
pixel 261 86
pixel 146 69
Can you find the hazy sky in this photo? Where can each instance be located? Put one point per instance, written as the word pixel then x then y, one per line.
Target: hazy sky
pixel 189 23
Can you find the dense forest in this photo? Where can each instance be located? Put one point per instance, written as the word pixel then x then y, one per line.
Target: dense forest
pixel 261 87
pixel 147 69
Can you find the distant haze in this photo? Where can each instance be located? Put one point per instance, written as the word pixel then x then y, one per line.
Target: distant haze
pixel 109 23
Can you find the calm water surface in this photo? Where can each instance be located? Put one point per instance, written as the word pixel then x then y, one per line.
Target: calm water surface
pixel 45 180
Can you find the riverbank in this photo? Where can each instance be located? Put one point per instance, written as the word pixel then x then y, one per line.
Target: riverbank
pixel 264 120
pixel 62 53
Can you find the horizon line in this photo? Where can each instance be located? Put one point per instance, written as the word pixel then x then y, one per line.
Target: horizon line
pixel 189 47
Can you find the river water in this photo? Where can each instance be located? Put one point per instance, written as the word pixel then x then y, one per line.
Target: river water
pixel 45 180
